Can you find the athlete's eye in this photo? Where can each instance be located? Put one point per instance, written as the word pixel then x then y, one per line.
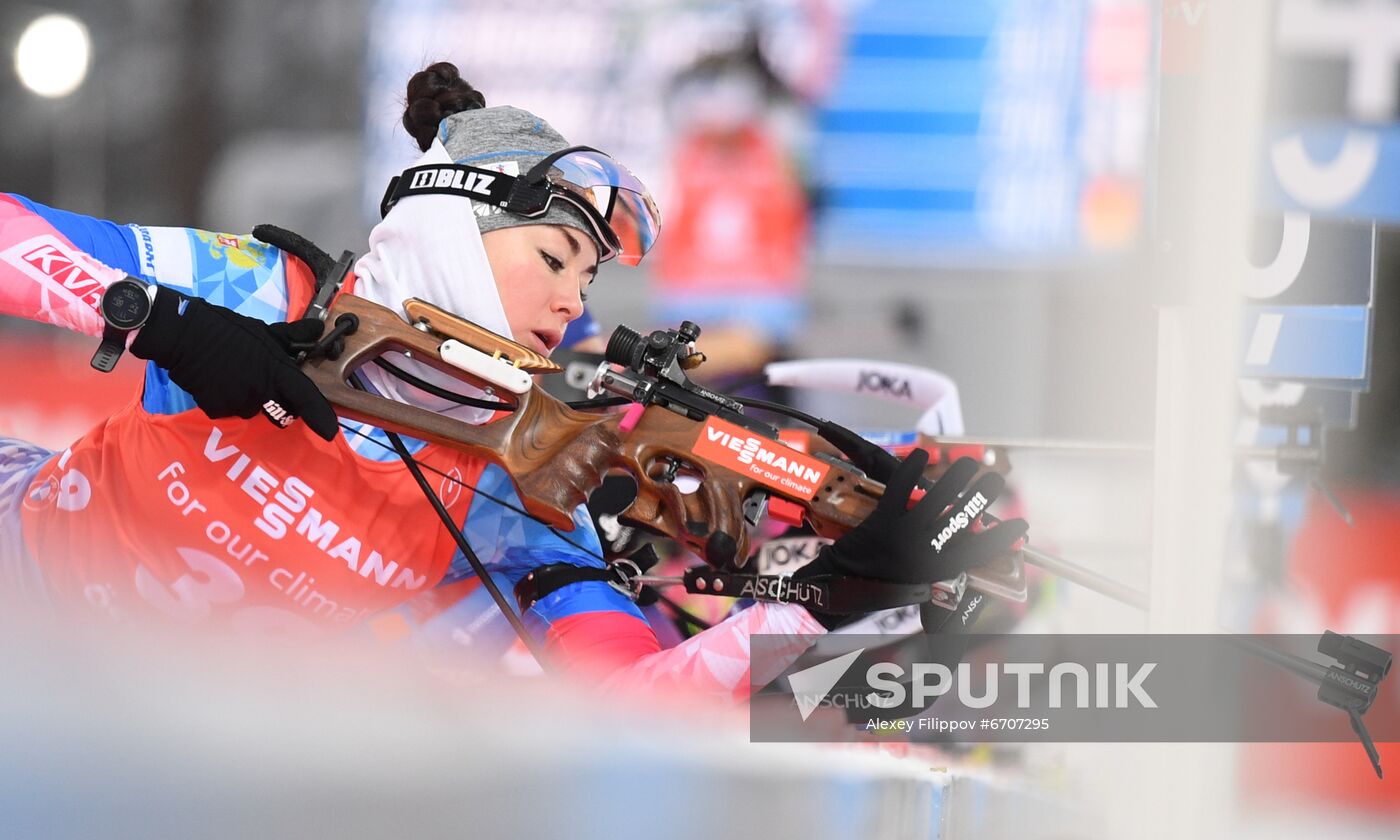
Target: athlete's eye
pixel 551 261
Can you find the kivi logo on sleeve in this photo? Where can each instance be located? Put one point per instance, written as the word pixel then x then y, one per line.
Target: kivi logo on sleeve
pixel 58 269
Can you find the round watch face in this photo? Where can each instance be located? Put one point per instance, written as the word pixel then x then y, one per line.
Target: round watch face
pixel 125 305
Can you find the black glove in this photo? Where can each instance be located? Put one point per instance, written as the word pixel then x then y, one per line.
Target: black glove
pixel 939 538
pixel 234 365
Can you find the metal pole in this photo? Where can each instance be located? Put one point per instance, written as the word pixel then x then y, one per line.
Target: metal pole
pixel 1089 580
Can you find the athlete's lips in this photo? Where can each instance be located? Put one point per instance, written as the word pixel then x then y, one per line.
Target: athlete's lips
pixel 547 339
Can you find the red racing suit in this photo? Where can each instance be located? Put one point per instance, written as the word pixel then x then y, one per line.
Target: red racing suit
pixel 237 525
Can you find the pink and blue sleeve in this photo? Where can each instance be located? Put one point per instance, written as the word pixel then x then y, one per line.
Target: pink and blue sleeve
pixel 46 276
pixel 54 266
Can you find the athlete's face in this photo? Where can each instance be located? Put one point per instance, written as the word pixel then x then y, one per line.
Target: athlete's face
pixel 541 273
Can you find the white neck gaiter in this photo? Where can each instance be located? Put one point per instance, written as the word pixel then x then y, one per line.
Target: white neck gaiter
pixel 429 247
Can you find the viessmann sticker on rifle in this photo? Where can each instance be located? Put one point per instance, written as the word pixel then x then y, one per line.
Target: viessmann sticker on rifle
pixel 768 461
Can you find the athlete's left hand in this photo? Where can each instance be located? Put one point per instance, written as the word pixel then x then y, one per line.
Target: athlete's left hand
pixel 233 365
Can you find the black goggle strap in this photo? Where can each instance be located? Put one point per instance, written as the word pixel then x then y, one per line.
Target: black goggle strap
pixel 484 185
pixel 528 196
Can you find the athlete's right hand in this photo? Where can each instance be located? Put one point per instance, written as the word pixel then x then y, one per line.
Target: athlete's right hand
pixel 233 365
pixel 932 539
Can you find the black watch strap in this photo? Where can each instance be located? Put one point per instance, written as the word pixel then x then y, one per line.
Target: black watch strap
pixel 110 350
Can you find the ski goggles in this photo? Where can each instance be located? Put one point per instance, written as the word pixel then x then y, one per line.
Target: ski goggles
pixel 615 202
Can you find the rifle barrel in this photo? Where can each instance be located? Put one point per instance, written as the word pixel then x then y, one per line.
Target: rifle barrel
pixel 1303 454
pixel 1089 580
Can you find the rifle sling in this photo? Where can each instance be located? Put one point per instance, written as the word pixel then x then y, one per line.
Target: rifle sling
pixel 824 593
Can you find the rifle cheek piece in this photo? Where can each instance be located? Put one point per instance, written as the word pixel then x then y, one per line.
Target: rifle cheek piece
pixel 491 369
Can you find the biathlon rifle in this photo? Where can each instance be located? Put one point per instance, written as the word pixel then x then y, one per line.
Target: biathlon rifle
pixel 556 454
pixel 705 470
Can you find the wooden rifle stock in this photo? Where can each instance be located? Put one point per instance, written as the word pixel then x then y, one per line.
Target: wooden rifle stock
pixel 556 455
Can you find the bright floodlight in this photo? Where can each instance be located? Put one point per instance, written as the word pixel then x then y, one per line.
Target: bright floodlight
pixel 52 55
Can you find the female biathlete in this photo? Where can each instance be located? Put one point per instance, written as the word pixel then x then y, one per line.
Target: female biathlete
pixel 187 506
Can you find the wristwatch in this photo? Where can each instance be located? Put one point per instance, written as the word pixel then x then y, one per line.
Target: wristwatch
pixel 125 307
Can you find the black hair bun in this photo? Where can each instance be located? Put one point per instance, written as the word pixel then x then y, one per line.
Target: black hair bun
pixel 435 93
